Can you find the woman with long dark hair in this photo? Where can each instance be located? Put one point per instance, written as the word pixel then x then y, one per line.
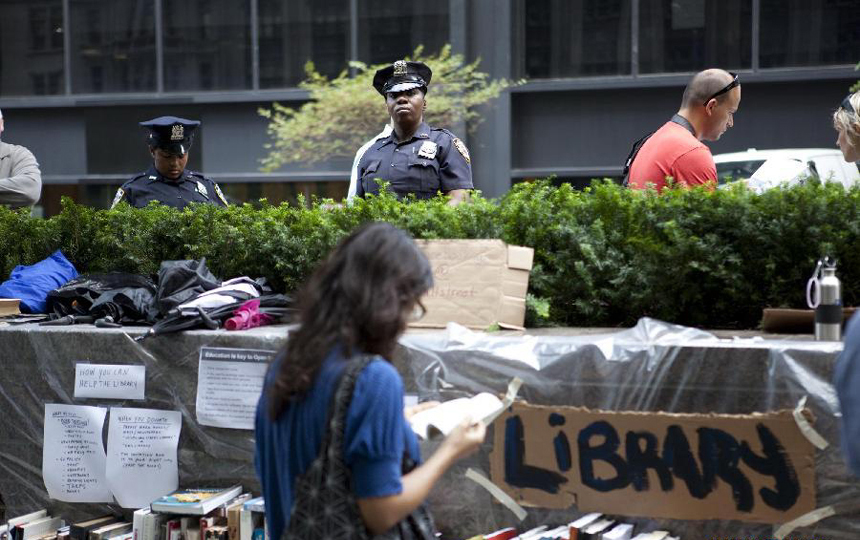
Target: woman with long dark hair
pixel 357 303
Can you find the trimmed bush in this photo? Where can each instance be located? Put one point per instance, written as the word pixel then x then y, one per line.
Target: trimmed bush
pixel 603 257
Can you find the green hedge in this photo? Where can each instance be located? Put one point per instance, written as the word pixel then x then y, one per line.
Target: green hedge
pixel 603 257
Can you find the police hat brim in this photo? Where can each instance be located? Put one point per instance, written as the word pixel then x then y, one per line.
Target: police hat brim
pixel 404 86
pixel 174 148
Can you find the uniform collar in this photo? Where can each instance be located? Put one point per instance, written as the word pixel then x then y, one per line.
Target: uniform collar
pixel 154 176
pixel 423 132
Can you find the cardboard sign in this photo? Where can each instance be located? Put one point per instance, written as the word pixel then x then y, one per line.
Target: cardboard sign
pixel 478 283
pixel 756 467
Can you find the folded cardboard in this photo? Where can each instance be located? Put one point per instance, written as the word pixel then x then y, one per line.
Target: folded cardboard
pixel 794 321
pixel 9 306
pixel 478 283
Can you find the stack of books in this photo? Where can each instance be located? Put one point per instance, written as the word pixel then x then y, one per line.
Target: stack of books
pixel 195 514
pixel 35 525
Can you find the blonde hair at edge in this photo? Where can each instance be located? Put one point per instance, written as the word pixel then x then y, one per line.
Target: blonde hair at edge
pixel 849 123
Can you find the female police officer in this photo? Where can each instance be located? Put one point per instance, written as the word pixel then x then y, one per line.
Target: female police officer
pixel 414 158
pixel 168 181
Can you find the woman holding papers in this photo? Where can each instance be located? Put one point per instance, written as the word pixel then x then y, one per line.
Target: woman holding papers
pixel 352 310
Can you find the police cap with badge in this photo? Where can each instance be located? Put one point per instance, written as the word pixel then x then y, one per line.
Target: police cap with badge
pixel 171 133
pixel 402 76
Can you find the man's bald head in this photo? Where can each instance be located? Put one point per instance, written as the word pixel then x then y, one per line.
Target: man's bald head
pixel 705 84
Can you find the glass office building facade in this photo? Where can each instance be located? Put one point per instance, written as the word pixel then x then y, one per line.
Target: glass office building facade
pixel 77 75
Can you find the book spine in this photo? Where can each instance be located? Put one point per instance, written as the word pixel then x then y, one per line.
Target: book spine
pixel 137 522
pixel 41 528
pixel 246 524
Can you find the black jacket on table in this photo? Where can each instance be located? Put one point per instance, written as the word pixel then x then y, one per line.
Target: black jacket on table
pixel 432 160
pixel 191 187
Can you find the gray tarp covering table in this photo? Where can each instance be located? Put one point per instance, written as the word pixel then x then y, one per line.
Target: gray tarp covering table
pixel 652 367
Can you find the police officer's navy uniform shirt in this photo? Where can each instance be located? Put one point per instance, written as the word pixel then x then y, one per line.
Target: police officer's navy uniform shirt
pixel 190 187
pixel 432 160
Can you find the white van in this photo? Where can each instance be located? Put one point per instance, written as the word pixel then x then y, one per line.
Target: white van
pixel 827 163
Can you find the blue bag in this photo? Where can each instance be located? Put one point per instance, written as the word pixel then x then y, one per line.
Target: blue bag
pixel 32 283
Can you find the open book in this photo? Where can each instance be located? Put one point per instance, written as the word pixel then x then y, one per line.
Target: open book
pixel 442 419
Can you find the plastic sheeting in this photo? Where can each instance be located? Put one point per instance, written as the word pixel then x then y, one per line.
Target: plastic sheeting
pixel 651 367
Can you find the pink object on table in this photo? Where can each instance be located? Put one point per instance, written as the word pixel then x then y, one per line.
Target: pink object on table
pixel 247 316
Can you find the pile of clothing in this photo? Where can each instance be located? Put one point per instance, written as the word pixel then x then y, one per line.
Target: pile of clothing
pixel 185 295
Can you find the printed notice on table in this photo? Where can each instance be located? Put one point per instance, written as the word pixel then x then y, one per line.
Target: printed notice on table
pixel 111 381
pixel 229 383
pixel 141 458
pixel 73 456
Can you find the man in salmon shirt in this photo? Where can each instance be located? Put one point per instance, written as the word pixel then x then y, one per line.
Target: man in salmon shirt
pixel 676 150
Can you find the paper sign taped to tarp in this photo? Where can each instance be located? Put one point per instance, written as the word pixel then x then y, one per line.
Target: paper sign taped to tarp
pixel 478 283
pixel 757 467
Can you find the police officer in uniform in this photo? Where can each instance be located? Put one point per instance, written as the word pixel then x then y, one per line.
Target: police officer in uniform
pixel 167 181
pixel 415 158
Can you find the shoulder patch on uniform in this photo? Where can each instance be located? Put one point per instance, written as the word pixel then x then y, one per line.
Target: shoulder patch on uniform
pixel 220 195
pixel 458 144
pixel 118 197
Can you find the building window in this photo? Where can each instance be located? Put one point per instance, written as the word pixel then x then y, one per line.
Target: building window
pixel 809 33
pixel 300 31
pixel 113 46
pixel 694 35
pixel 31 47
pixel 389 30
pixel 573 38
pixel 207 45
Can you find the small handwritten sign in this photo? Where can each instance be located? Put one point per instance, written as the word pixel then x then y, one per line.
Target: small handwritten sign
pixel 110 381
pixel 73 458
pixel 142 460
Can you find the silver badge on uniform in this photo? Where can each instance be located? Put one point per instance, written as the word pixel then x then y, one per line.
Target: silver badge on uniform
pixel 202 189
pixel 428 150
pixel 178 132
pixel 399 68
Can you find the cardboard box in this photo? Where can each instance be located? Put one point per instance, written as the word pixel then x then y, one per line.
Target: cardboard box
pixel 478 283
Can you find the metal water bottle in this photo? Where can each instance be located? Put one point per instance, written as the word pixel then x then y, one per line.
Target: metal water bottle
pixel 828 301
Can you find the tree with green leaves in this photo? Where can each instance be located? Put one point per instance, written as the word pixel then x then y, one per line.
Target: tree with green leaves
pixel 344 112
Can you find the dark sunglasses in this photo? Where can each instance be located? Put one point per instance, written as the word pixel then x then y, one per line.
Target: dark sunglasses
pixel 846 104
pixel 735 82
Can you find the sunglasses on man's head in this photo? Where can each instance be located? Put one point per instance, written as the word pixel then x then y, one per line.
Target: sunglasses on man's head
pixel 735 82
pixel 846 104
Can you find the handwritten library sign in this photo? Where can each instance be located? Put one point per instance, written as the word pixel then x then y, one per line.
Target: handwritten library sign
pixel 756 467
pixel 110 381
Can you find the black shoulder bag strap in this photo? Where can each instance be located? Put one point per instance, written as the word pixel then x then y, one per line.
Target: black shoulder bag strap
pixel 678 119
